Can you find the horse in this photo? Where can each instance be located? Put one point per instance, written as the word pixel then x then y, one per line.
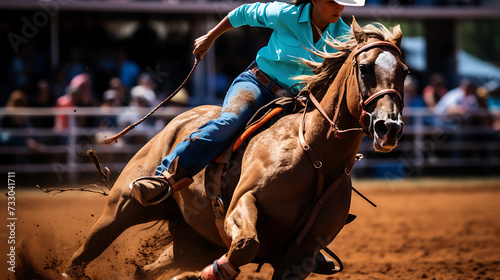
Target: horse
pixel 299 164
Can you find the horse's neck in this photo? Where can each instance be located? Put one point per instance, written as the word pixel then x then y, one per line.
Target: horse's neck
pixel 337 151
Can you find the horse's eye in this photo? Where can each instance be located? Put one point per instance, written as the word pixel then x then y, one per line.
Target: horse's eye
pixel 363 69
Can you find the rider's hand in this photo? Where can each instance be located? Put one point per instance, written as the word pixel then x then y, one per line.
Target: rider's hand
pixel 202 45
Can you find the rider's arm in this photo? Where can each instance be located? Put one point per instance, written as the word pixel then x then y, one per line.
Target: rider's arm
pixel 203 44
pixel 258 14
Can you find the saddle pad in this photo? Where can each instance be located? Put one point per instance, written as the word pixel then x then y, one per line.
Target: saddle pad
pixel 251 130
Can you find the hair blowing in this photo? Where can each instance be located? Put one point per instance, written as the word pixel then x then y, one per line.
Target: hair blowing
pixel 300 2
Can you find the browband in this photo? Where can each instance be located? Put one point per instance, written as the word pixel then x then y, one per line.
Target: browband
pixel 377 44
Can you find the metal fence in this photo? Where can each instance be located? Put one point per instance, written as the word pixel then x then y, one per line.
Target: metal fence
pixel 429 145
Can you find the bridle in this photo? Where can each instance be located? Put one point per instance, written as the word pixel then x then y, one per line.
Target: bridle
pixel 362 102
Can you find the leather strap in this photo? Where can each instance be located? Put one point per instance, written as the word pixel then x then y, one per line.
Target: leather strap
pixel 378 44
pixel 383 92
pixel 318 165
pixel 264 78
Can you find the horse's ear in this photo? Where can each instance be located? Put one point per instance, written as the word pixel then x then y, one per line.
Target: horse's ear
pixel 359 34
pixel 397 35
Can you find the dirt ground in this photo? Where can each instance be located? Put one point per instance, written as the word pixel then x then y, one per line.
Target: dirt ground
pixel 421 229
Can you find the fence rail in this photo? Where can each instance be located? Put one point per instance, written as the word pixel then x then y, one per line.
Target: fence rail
pixel 425 149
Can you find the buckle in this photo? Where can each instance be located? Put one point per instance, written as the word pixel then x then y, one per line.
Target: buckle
pixel 219 207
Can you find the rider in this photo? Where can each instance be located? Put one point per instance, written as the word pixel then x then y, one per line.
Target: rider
pixel 298 28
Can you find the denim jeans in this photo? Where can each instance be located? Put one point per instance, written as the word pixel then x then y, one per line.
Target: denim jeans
pixel 245 96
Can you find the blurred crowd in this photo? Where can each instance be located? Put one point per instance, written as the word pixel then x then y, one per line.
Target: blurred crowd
pixel 469 104
pixel 131 90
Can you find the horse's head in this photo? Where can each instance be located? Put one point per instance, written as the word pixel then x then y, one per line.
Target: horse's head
pixel 380 75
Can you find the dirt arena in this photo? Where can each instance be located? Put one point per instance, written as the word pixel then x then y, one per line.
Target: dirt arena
pixel 421 229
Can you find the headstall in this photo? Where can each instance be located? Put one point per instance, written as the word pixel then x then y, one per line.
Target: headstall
pixel 363 103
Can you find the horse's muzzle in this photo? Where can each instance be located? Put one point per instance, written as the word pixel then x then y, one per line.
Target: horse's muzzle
pixel 387 133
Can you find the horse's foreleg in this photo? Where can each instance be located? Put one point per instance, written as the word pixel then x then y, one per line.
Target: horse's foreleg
pixel 120 214
pixel 241 228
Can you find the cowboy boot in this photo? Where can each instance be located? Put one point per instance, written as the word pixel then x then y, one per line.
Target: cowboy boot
pixel 151 190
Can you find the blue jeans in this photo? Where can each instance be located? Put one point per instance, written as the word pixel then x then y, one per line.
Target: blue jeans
pixel 245 96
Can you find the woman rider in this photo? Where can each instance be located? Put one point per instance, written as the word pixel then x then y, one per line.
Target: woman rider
pixel 298 28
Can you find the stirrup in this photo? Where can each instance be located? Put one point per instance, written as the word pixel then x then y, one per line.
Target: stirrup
pixel 136 193
pixel 335 269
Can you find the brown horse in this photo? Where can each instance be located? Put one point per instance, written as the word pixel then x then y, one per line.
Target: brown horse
pixel 278 176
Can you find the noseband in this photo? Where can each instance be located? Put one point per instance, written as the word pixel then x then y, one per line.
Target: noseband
pixel 363 103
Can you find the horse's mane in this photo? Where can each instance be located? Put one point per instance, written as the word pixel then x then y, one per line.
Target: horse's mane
pixel 325 72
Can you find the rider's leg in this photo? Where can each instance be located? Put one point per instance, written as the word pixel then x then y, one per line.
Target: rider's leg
pixel 245 96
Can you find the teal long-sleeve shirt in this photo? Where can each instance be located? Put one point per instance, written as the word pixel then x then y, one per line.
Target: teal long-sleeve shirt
pixel 292 38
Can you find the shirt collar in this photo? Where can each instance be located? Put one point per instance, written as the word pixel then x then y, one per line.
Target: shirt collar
pixel 305 14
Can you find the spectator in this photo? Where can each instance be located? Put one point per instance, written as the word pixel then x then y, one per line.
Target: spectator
pixel 17 99
pixel 142 96
pixel 493 89
pixel 411 97
pixel 129 70
pixel 435 90
pixel 81 82
pixel 70 99
pixel 490 93
pixel 458 105
pixel 115 95
pixel 143 92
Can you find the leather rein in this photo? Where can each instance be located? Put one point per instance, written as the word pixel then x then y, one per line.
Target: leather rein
pixel 363 103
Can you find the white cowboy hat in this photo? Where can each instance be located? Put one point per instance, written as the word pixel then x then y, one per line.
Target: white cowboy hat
pixel 357 3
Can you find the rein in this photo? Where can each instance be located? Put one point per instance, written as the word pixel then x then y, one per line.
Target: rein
pixel 132 126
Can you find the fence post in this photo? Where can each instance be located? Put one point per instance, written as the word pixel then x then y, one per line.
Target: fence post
pixel 72 149
pixel 418 141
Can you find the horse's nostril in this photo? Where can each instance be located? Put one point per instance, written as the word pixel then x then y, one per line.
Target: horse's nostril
pixel 381 128
pixel 386 128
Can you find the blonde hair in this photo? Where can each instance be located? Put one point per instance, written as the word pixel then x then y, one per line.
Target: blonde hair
pixel 325 72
